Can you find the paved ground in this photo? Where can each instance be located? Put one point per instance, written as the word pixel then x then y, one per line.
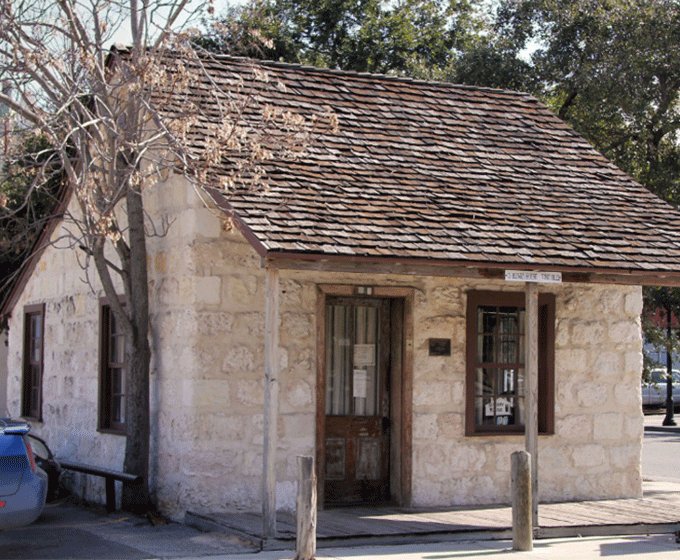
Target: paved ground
pixel 661 450
pixel 67 531
pixel 656 547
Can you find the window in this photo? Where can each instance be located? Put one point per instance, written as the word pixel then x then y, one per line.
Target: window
pixel 34 327
pixel 112 374
pixel 495 376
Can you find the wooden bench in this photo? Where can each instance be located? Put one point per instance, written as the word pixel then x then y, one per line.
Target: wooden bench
pixel 110 477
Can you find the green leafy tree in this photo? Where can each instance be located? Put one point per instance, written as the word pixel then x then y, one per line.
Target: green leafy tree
pixel 611 69
pixel 26 211
pixel 412 37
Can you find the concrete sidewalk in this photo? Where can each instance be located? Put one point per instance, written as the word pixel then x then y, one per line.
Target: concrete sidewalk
pixel 648 547
pixel 653 422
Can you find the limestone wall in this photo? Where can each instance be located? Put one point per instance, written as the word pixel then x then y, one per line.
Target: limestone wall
pixel 207 296
pixel 70 365
pixel 595 452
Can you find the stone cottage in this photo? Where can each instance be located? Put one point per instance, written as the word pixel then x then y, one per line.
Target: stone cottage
pixel 396 341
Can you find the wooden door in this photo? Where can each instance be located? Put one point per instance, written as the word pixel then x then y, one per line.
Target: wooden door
pixel 356 434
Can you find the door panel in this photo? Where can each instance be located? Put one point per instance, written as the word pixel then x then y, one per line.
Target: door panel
pixel 356 428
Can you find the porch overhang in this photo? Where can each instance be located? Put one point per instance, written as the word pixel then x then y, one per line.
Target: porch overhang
pixel 461 269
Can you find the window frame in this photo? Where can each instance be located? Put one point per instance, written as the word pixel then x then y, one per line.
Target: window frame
pixel 546 360
pixel 106 423
pixel 29 409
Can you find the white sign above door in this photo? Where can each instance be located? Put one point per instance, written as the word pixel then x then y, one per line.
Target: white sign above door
pixel 533 276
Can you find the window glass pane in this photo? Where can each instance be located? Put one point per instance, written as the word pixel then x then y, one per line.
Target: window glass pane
pixel 508 349
pixel 505 382
pixel 519 390
pixel 520 413
pixel 117 350
pixel 338 360
pixel 508 318
pixel 118 409
pixel 34 375
pixel 113 397
pixel 36 326
pixel 116 380
pixel 499 358
pixel 36 338
pixel 365 361
pixel 486 319
pixel 481 406
pixel 485 349
pixel 484 381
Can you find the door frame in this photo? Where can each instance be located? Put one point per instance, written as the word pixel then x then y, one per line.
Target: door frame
pixel 401 382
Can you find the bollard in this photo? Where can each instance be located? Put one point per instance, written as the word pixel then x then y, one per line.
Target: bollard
pixel 306 510
pixel 522 529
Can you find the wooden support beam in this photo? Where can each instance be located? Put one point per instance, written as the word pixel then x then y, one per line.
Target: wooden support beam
pixel 306 510
pixel 271 404
pixel 522 526
pixel 531 390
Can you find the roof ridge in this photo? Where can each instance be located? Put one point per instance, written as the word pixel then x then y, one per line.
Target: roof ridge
pixel 370 75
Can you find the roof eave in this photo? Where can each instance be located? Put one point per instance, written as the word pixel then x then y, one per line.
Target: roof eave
pixel 31 262
pixel 464 269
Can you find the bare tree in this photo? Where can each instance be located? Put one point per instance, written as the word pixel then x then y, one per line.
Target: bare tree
pixel 118 120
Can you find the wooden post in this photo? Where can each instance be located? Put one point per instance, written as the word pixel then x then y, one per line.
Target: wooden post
pixel 306 510
pixel 271 404
pixel 522 510
pixel 531 390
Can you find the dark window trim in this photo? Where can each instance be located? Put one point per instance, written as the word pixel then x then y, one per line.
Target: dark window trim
pixel 105 425
pixel 27 406
pixel 546 360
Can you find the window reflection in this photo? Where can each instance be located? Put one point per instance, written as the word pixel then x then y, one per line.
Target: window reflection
pixel 499 383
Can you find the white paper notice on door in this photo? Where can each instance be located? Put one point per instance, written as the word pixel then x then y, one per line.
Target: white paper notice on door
pixel 360 383
pixel 364 355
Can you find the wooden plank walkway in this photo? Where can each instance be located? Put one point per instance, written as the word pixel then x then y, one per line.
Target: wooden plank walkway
pixel 658 511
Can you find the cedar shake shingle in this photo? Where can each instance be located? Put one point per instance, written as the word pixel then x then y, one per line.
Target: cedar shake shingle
pixel 439 171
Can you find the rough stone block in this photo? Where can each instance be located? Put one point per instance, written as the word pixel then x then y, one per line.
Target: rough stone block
pixel 627 396
pixel 608 426
pixel 608 364
pixel 592 394
pixel 633 302
pixel 240 359
pixel 425 427
pixel 625 457
pixel 450 425
pixel 432 394
pixel 250 393
pixel 575 427
pixel 590 455
pixel 298 394
pixel 243 293
pixel 625 332
pixel 587 333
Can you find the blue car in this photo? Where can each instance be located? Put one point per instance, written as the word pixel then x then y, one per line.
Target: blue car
pixel 23 485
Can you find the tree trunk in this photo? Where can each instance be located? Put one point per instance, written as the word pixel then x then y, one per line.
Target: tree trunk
pixel 136 497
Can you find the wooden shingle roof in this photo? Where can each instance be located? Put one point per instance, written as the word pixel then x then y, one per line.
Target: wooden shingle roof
pixel 443 173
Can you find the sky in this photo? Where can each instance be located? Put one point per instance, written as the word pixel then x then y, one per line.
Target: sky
pixel 123 36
